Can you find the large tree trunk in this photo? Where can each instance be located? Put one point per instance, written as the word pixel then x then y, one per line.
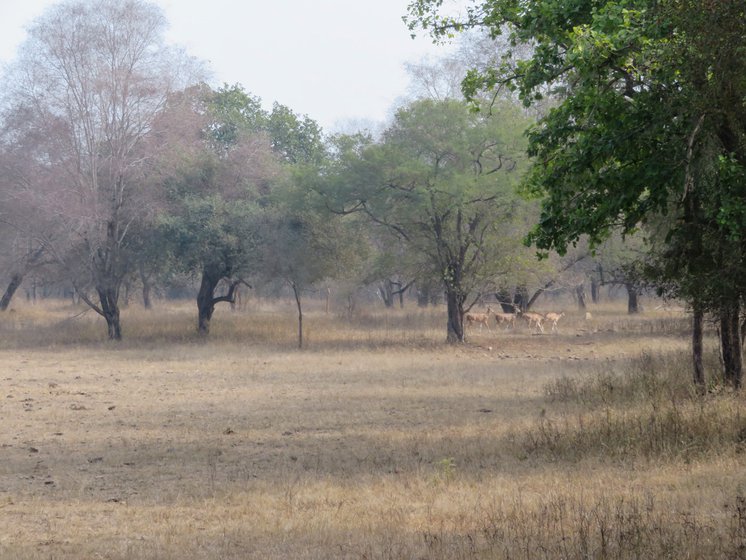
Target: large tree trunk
pixel 206 301
pixel 109 299
pixel 15 282
pixel 730 342
pixel 633 304
pixel 520 299
pixel 699 372
pixel 386 291
pixel 504 299
pixel 455 329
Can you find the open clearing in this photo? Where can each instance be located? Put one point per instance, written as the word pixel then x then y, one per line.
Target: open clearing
pixel 377 441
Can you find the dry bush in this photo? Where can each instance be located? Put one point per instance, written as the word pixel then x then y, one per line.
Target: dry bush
pixel 625 527
pixel 650 409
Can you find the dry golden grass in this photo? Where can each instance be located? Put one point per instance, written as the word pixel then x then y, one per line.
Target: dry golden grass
pixel 377 441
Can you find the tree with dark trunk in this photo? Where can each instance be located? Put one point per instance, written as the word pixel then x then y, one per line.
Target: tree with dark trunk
pixel 24 262
pixel 697 329
pixel 219 174
pixel 297 294
pixel 207 298
pixel 455 302
pixel 580 296
pixel 633 305
pixel 15 282
pixel 648 117
pixel 730 342
pixel 442 180
pixel 89 82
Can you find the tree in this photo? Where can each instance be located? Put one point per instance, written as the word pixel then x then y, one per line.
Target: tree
pixel 21 224
pixel 303 247
pixel 620 261
pixel 649 123
pixel 296 139
pixel 443 180
pixel 92 76
pixel 219 172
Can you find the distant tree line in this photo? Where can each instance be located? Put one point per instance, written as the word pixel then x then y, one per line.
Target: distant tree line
pixel 120 166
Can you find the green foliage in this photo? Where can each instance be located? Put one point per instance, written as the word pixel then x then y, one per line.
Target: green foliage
pixel 234 111
pixel 630 76
pixel 443 181
pixel 295 139
pixel 210 232
pixel 216 191
pixel 649 127
pixel 302 242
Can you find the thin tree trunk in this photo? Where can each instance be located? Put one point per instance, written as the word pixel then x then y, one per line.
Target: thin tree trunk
pixel 580 294
pixel 146 301
pixel 146 287
pixel 594 290
pixel 15 282
pixel 386 291
pixel 423 296
pixel 699 372
pixel 296 292
pixel 730 341
pixel 633 304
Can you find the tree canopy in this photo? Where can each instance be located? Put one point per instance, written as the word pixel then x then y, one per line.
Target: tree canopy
pixel 443 180
pixel 649 120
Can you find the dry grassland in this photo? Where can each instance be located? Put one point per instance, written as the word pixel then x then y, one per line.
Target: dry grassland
pixel 376 442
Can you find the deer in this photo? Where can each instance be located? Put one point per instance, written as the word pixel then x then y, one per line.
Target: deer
pixel 534 319
pixel 507 319
pixel 481 318
pixel 554 318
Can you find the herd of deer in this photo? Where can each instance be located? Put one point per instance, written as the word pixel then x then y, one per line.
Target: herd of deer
pixel 534 320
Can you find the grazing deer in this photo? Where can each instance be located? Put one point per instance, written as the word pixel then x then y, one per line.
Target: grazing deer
pixel 481 318
pixel 507 319
pixel 554 318
pixel 534 319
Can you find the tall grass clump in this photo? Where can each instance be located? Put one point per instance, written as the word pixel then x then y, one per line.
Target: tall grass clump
pixel 647 410
pixel 637 526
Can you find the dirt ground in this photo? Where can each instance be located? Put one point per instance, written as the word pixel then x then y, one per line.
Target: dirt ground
pixel 229 449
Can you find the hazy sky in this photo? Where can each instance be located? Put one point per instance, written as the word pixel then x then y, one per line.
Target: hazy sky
pixel 335 60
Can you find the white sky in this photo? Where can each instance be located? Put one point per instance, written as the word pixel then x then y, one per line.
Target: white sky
pixel 341 62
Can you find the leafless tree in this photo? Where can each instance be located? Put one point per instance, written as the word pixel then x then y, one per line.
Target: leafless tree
pixel 91 78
